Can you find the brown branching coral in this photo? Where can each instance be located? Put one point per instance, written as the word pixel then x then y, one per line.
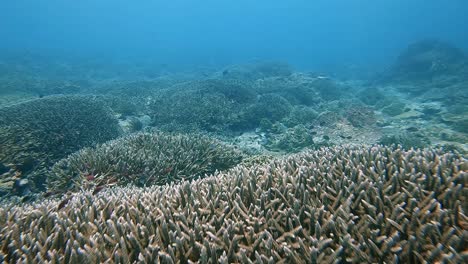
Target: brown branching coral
pixel 335 205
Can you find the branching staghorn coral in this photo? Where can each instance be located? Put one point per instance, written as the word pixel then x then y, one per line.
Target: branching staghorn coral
pixel 205 105
pixel 344 204
pixel 268 106
pixel 37 133
pixel 142 159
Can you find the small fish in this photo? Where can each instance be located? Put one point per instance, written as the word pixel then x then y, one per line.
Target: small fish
pixel 321 77
pixel 98 189
pixel 64 202
pixel 112 181
pixel 27 198
pixel 90 177
pixel 48 194
pixel 168 170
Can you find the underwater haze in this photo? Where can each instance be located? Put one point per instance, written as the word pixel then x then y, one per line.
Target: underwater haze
pixel 216 131
pixel 306 34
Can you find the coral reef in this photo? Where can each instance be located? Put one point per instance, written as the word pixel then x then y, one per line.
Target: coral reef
pixel 258 70
pixel 303 89
pixel 371 96
pixel 330 90
pixel 208 105
pixel 395 108
pixel 345 205
pixel 131 124
pixel 272 107
pixel 297 89
pixel 388 104
pixel 8 178
pixel 427 59
pixel 457 122
pixel 360 116
pixel 234 90
pixel 129 98
pixel 143 159
pixel 301 115
pixel 130 89
pixel 36 133
pixel 239 91
pixel 405 139
pixel 39 87
pixel 328 118
pixel 292 140
pixel 124 106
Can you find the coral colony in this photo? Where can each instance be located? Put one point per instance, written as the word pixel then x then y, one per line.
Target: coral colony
pixel 345 204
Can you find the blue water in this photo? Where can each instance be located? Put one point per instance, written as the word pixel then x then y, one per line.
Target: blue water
pixel 308 34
